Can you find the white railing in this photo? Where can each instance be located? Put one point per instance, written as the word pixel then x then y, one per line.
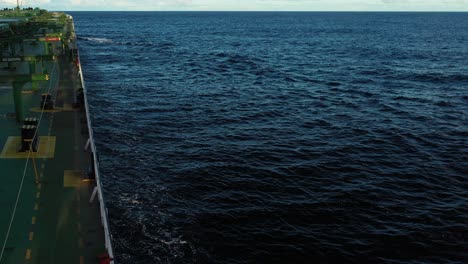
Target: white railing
pixel 103 209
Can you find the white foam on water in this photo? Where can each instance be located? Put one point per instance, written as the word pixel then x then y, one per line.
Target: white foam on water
pixel 98 40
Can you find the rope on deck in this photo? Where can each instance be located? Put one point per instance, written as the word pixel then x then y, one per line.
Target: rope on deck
pixel 24 172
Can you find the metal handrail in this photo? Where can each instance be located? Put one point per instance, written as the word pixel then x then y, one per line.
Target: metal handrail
pixel 103 209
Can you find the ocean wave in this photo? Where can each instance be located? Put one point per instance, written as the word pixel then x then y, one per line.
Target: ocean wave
pixel 99 40
pixel 96 40
pixel 267 152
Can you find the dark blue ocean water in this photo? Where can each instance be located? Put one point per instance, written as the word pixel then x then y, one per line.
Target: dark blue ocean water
pixel 281 137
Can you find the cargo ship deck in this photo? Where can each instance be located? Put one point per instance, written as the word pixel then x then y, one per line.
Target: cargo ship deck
pixel 51 201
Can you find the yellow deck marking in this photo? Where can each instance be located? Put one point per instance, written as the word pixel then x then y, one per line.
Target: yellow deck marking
pixel 36 207
pixel 88 180
pixel 31 236
pixel 72 178
pixel 28 254
pixel 46 148
pixel 38 195
pixel 68 108
pixel 33 221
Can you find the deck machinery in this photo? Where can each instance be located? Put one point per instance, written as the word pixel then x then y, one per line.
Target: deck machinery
pixel 51 201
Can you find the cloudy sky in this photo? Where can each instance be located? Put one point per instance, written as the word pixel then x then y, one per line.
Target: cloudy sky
pixel 249 5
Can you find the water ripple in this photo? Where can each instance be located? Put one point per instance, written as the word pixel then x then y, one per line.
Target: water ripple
pixel 281 137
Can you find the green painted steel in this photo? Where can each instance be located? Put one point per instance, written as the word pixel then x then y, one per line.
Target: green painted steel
pixel 17 97
pixel 52 221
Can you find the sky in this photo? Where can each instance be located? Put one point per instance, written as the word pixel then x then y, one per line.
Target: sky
pixel 245 5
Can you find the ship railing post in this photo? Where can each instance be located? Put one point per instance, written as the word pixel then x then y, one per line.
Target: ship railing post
pixel 103 209
pixel 93 195
pixel 87 144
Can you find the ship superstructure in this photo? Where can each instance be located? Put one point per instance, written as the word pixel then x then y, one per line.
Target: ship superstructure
pixel 51 202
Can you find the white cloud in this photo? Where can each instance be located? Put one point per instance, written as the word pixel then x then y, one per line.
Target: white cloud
pixel 12 3
pixel 8 2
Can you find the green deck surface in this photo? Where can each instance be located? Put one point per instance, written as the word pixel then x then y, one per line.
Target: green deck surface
pixel 54 220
